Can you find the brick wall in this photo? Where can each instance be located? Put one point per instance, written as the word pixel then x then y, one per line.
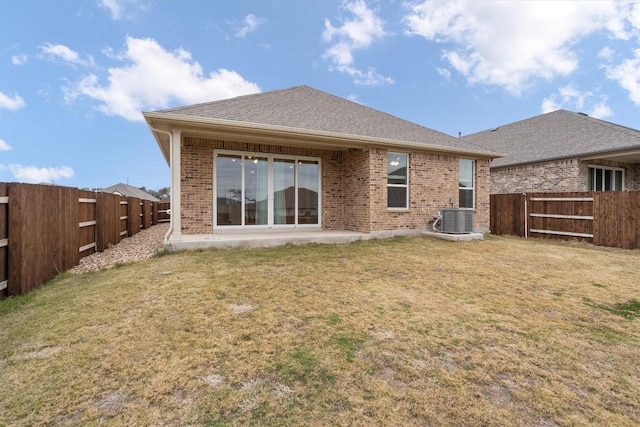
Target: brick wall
pixel 197 180
pixel 355 181
pixel 482 182
pixel 560 175
pixel 354 186
pixel 555 176
pixel 433 180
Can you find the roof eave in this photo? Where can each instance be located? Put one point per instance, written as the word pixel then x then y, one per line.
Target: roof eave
pixel 594 155
pixel 167 121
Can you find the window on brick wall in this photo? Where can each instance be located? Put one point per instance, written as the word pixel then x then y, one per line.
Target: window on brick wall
pixel 466 184
pixel 398 181
pixel 603 178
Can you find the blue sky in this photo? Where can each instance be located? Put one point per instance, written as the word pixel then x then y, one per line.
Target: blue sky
pixel 75 75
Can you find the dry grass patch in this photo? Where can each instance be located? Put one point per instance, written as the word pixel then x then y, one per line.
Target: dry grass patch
pixel 395 332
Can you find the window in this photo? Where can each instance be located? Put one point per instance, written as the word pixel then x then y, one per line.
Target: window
pixel 466 184
pixel 398 181
pixel 602 178
pixel 266 190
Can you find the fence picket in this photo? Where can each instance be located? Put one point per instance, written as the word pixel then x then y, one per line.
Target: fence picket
pixel 46 229
pixel 4 240
pixel 610 218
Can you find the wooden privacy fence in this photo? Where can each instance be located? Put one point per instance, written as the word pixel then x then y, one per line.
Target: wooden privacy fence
pixel 609 218
pixel 46 229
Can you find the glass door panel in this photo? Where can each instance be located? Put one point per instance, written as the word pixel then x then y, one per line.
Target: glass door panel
pixel 308 192
pixel 229 189
pixel 256 190
pixel 284 203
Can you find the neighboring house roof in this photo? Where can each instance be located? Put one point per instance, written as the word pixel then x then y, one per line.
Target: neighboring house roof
pixel 129 191
pixel 559 135
pixel 305 114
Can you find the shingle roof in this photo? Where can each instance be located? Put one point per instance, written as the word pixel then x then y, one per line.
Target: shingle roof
pixel 302 107
pixel 129 191
pixel 556 135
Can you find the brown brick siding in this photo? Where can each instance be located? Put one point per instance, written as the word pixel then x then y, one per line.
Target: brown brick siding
pixel 555 176
pixel 354 186
pixel 433 180
pixel 355 181
pixel 482 192
pixel 197 180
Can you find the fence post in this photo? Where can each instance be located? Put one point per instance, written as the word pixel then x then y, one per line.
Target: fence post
pixel 526 215
pixel 154 213
pixel 4 240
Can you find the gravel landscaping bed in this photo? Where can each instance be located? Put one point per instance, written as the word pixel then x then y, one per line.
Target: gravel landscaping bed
pixel 140 246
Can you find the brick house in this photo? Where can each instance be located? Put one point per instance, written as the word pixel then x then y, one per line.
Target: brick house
pixel 300 158
pixel 562 151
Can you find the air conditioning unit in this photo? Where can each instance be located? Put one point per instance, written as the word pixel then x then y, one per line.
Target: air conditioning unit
pixel 456 221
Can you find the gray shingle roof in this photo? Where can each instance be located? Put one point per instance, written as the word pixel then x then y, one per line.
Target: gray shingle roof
pixel 129 191
pixel 556 135
pixel 303 107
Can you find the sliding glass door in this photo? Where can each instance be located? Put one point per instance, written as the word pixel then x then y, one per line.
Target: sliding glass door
pixel 284 203
pixel 265 190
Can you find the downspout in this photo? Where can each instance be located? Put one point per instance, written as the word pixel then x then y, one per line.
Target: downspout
pixel 168 233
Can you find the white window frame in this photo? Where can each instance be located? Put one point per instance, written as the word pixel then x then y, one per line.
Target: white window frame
pixel 473 184
pixel 270 157
pixel 406 186
pixel 604 168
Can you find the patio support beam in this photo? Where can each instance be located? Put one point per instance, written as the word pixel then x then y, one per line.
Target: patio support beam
pixel 176 145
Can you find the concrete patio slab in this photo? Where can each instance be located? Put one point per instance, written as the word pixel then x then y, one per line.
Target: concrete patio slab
pixel 271 238
pixel 454 237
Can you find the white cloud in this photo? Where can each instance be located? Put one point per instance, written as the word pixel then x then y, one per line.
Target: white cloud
pixel 510 44
pixel 113 6
pixel 634 17
pixel 64 53
pixel 152 77
pixel 351 35
pixel 606 53
pixel 601 111
pixel 35 175
pixel 20 59
pixel 573 99
pixel 444 73
pixel 10 103
pixel 549 105
pixel 354 98
pixel 627 74
pixel 117 8
pixel 250 23
pixel 4 146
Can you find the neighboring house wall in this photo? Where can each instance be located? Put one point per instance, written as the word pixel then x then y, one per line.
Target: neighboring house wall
pixel 555 176
pixel 559 175
pixel 354 187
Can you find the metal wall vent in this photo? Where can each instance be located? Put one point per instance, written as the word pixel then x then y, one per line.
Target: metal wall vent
pixel 457 221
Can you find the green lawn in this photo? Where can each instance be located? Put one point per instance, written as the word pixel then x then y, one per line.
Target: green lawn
pixel 401 332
